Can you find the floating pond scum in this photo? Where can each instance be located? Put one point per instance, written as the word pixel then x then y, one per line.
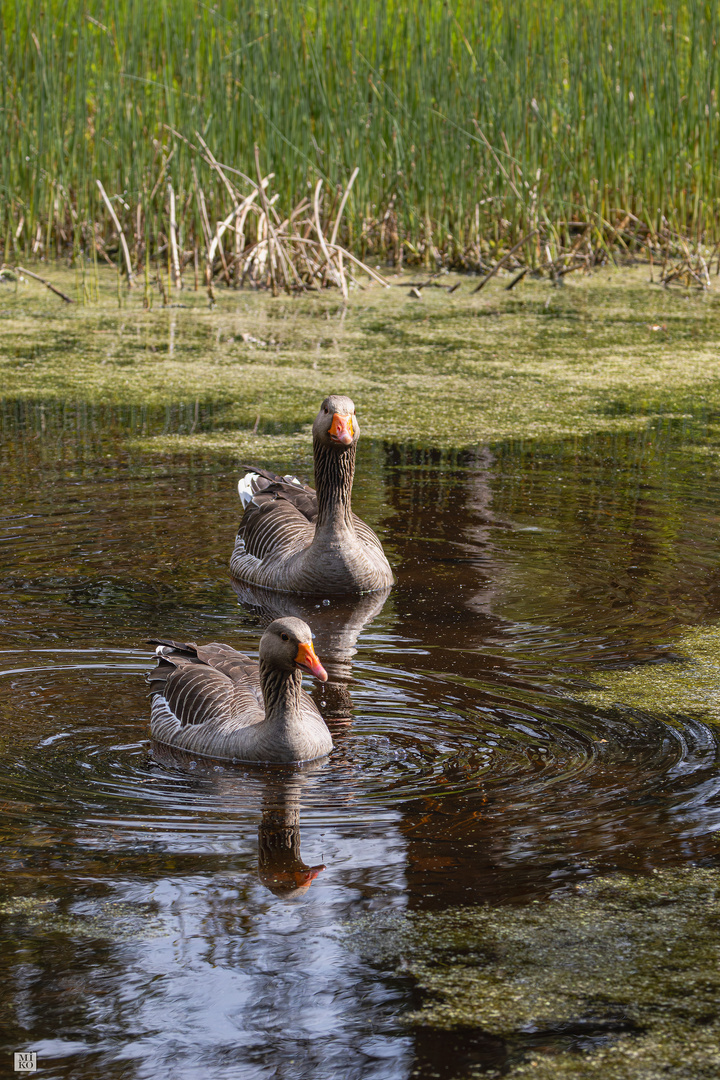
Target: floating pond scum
pixel 627 964
pixel 687 684
pixel 608 353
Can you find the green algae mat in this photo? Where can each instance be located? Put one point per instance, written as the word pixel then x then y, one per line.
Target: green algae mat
pixel 605 352
pixel 637 958
pixel 686 686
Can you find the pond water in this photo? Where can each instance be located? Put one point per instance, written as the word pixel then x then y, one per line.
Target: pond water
pixel 160 919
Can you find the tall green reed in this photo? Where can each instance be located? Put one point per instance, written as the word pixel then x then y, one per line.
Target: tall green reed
pixel 470 120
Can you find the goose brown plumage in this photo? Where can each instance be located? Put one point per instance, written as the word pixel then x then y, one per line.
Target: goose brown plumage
pixel 296 539
pixel 215 702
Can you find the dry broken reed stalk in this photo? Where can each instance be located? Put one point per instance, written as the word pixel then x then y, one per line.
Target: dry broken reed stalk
pixel 269 250
pixel 174 239
pixel 299 251
pixel 121 234
pixel 255 244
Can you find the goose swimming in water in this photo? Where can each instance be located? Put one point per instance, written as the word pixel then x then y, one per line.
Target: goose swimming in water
pixel 296 539
pixel 215 702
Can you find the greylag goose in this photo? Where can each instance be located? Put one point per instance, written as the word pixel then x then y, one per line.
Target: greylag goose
pixel 214 702
pixel 294 539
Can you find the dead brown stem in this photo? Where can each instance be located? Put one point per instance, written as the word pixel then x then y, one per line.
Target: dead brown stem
pixel 501 263
pixel 47 284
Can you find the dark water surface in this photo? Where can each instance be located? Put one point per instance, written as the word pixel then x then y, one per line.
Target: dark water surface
pixel 161 920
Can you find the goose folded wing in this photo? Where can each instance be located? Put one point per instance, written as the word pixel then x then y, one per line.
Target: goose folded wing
pixel 200 695
pixel 239 668
pixel 273 524
pixel 268 485
pixel 200 683
pixel 174 654
pixel 197 694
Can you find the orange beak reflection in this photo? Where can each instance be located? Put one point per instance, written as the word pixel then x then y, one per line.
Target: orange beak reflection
pixel 307 659
pixel 341 429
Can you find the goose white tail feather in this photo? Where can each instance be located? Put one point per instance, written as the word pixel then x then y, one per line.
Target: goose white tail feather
pixel 245 488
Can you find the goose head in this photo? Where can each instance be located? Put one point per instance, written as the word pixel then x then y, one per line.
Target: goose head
pixel 336 423
pixel 287 645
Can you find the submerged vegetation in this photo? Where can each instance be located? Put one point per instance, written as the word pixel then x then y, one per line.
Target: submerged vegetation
pixel 626 970
pixel 578 128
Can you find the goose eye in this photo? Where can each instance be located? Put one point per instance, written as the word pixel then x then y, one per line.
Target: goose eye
pixel 326 411
pixel 285 637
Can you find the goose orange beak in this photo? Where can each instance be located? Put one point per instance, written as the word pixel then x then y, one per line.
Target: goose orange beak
pixel 341 429
pixel 307 659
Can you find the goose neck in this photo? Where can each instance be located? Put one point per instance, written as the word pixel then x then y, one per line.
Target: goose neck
pixel 281 692
pixel 334 471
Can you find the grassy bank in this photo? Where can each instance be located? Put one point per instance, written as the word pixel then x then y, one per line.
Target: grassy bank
pixel 471 125
pixel 607 352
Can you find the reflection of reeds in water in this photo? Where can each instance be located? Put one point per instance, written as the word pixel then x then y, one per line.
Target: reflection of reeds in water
pixel 451 132
pixel 76 430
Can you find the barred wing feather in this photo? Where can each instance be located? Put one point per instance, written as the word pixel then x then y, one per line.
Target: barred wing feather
pixel 273 524
pixel 210 682
pixel 262 484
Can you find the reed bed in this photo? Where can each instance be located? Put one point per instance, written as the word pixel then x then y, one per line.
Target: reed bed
pixel 284 144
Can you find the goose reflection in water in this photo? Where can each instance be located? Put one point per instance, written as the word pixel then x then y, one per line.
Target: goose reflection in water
pixel 336 623
pixel 277 791
pixel 280 864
